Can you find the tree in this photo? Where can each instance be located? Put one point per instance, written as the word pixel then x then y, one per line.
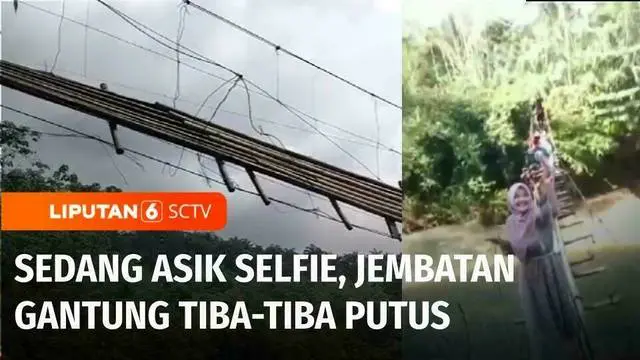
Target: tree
pixel 468 95
pixel 22 172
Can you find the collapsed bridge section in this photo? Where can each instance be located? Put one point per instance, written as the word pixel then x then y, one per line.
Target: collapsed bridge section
pixel 225 145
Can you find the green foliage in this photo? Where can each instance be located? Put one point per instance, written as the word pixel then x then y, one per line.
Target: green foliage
pixel 34 175
pixel 468 95
pixel 174 343
pixel 15 143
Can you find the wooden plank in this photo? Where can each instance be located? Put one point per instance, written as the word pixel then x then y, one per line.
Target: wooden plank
pixel 589 272
pixel 586 259
pixel 572 224
pixel 578 239
pixel 613 299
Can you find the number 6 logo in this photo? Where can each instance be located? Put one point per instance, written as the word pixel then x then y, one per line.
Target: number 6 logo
pixel 151 211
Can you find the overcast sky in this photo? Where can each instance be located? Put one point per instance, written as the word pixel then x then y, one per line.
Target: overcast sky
pixel 358 39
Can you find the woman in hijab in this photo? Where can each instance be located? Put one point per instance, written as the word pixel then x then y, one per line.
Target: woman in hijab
pixel 552 319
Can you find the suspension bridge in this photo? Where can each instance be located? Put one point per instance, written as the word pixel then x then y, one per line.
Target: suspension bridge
pixel 570 198
pixel 225 145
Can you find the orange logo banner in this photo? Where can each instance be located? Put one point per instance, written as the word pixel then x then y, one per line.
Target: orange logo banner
pixel 200 211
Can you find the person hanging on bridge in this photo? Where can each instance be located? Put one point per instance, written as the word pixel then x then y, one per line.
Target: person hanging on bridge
pixel 541 164
pixel 551 318
pixel 541 117
pixel 540 135
pixel 541 149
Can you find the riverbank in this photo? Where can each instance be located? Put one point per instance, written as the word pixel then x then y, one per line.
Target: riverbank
pixel 484 315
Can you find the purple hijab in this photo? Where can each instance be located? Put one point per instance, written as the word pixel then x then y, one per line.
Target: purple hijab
pixel 520 226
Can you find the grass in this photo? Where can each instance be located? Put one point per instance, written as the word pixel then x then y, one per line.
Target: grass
pixel 488 331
